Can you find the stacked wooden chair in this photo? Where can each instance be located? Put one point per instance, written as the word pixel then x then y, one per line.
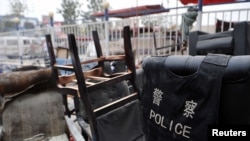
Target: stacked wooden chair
pixel 116 119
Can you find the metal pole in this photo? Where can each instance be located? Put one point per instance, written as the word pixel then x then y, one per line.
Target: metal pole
pixel 17 26
pixel 51 21
pixel 176 35
pixel 106 14
pixel 51 18
pixel 106 30
pixel 199 20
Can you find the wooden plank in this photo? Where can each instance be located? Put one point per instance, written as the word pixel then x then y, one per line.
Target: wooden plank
pixel 113 80
pixel 63 80
pixel 73 130
pixel 93 60
pixel 99 78
pixel 64 67
pixel 93 72
pixel 90 83
pixel 72 87
pixel 115 57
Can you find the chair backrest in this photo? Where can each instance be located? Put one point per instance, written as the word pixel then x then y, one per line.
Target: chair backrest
pixel 202 43
pixel 120 119
pixel 234 42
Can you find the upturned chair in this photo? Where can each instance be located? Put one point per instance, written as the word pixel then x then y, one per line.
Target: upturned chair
pixel 118 119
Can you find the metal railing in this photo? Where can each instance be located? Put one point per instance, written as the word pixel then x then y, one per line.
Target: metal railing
pixel 162 30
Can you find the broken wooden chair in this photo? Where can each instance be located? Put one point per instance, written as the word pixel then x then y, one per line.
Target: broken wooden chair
pixel 118 119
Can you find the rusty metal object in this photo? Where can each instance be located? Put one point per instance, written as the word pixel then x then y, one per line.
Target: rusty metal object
pixel 14 82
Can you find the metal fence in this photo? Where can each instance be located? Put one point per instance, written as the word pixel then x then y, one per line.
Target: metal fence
pixel 148 32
